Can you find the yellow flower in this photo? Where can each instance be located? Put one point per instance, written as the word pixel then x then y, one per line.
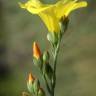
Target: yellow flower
pixel 51 14
pixel 44 11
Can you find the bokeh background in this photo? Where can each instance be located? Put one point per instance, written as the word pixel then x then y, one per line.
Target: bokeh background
pixel 76 69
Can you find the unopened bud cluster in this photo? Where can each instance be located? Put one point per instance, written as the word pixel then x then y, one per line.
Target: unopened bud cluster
pixel 41 60
pixel 34 87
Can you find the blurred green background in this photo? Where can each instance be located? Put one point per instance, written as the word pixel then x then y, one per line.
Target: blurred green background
pixel 76 69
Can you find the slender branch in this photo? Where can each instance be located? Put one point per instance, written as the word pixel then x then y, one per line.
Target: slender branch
pixel 56 51
pixel 46 82
pixel 54 65
pixel 47 85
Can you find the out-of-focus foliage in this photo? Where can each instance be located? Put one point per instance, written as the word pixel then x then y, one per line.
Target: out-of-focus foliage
pixel 76 69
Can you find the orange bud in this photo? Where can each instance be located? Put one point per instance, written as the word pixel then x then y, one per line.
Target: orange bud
pixel 30 78
pixel 36 51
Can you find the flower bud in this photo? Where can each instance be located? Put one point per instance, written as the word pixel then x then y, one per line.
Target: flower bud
pixel 37 56
pixel 46 56
pixel 64 24
pixel 52 37
pixel 36 51
pixel 31 78
pixel 41 92
pixel 30 83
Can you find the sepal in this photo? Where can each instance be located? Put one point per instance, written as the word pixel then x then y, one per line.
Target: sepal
pixel 64 24
pixel 36 86
pixel 38 63
pixel 52 37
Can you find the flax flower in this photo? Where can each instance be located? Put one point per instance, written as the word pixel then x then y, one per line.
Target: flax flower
pixel 51 14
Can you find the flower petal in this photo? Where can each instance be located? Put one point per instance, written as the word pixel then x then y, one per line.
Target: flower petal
pixel 50 21
pixel 64 9
pixel 34 6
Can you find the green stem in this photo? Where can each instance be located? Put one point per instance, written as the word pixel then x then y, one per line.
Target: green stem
pixel 46 82
pixel 47 85
pixel 54 66
pixel 55 55
pixel 56 51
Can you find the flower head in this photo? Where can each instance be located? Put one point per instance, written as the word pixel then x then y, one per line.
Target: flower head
pixel 36 51
pixel 51 14
pixel 44 11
